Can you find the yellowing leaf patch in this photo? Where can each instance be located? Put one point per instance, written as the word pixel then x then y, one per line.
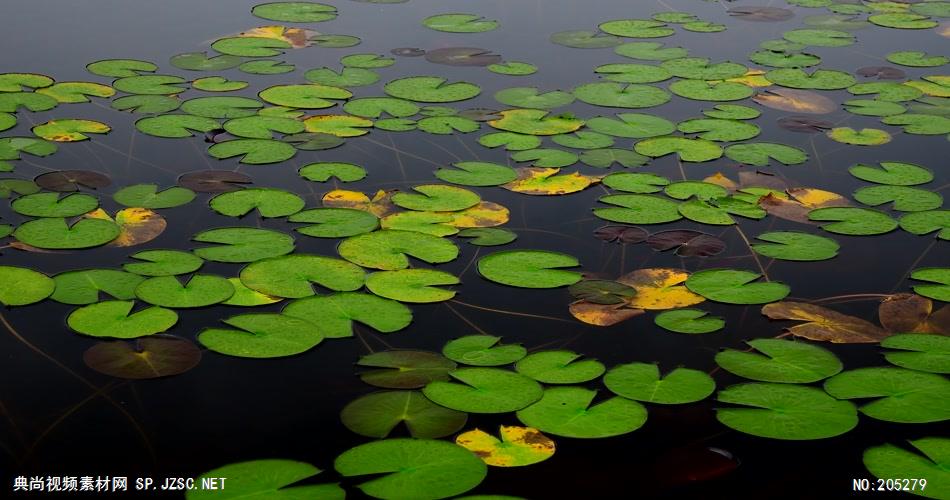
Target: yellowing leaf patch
pixel 517 447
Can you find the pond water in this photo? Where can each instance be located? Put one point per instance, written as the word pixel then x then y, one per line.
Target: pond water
pixel 63 418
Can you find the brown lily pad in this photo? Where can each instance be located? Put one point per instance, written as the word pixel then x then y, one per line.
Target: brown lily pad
pixel 796 101
pixel 462 56
pixel 213 181
pixel 761 14
pixel 144 358
pixel 804 124
pixel 72 180
pixel 882 72
pixel 621 234
pixel 823 324
pixel 687 243
pixel 911 313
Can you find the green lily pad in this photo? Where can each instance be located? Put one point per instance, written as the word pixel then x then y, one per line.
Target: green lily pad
pixel 513 68
pixel 863 137
pixel 732 112
pixel 919 351
pixel 853 221
pixel 323 171
pixel 760 153
pixel 711 91
pixel 781 361
pixel 683 190
pixel 783 411
pixel 151 85
pixel 335 222
pixel 412 285
pixel 477 173
pixel 377 414
pixel 901 395
pixel 84 287
pixel 293 276
pixel 53 205
pixel 295 12
pixel 636 28
pixel 266 67
pixel 262 335
pixel 115 319
pixel 715 129
pixel 262 127
pixel 820 38
pixel 75 92
pixel 532 122
pixel 163 263
pixel 567 411
pixel 218 84
pixel 691 321
pixel 733 286
pixel 640 182
pixel 529 268
pixel 820 79
pixel 632 125
pixel 199 61
pixel 889 461
pixel 488 236
pixel 250 46
pixel 346 77
pixel 920 124
pixel 650 51
pixel 267 479
pixel 901 20
pixel 431 89
pixel 175 126
pixel 581 39
pixel 695 150
pixel 308 96
pixel 253 151
pixel 927 222
pixel 200 290
pixel 873 107
pixel 939 275
pixel 222 107
pixel 242 244
pixel 776 59
pixel 548 158
pixel 559 367
pixel 388 249
pixel 532 97
pixel 269 202
pixel 484 390
pixel 12 147
pixel 375 107
pixel 336 313
pixel 917 59
pixel 56 234
pixel 368 61
pixel 893 173
pixel 245 297
pixel 510 140
pixel 11 102
pixel 482 350
pixel 904 198
pixel 638 209
pixel 621 95
pixel 20 286
pixel 14 82
pixel 419 469
pixel 459 23
pixel 607 157
pixel 148 196
pixel 405 369
pixel 794 245
pixel 445 125
pixel 699 68
pixel 642 382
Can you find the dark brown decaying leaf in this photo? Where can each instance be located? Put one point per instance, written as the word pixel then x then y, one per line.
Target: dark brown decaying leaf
pixel 621 234
pixel 72 180
pixel 480 114
pixel 761 14
pixel 882 72
pixel 462 56
pixel 758 178
pixel 911 313
pixel 144 358
pixel 804 124
pixel 823 324
pixel 796 101
pixel 213 181
pixel 687 243
pixel 602 315
pixel 605 292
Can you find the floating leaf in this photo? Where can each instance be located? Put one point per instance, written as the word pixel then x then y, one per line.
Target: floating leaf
pixel 199 291
pixel 52 205
pixel 760 153
pixel 854 221
pixel 488 236
pixel 84 287
pixel 939 275
pixel 482 350
pixel 293 276
pixel 636 28
pixel 733 286
pixel 793 245
pixel 242 244
pixel 148 196
pixel 518 446
pixel 336 313
pixel 798 101
pixel 484 390
pixel 621 95
pixel 405 369
pixel 420 469
pixel 115 319
pixel 267 479
pixel 762 14
pixel 146 358
pixel 56 234
pixel 534 122
pixel 887 461
pixel 412 285
pixel 163 263
pixel 659 288
pixel 459 23
pixel 781 411
pixel 917 351
pixel 477 173
pixel 695 150
pixel 430 89
pixel 20 286
pixel 262 335
pixel 559 367
pixel 567 411
pixel 640 182
pixel 687 243
pixel 529 268
pixel 70 180
pixel 602 315
pixel 335 222
pixel 69 130
pixel 176 126
pixel 642 382
pixel 380 205
pixel 580 39
pixel 691 321
pixel 906 396
pixel 824 324
pixel 780 361
pixel 377 414
pixel 513 68
pixel 268 202
pixel 462 56
pixel 388 249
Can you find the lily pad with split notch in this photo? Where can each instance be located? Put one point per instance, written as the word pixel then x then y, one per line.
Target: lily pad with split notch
pixel 197 291
pixel 919 351
pixel 569 412
pixel 213 181
pixel 20 286
pixel 270 478
pixel 785 411
pixel 418 286
pixel 146 358
pixel 293 276
pixel 262 335
pixel 390 249
pixel 733 286
pixel 377 414
pixel 559 367
pixel 782 361
pixel 482 350
pixel 690 321
pixel 116 319
pixel 404 369
pixel 462 56
pixel 601 291
pixel 336 313
pixel 898 395
pixel 643 382
pixel 529 268
pixel 484 390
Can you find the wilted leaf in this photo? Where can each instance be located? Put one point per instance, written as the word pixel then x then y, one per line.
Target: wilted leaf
pixel 823 324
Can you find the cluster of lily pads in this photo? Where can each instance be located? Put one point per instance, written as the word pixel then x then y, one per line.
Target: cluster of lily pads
pixel 372 279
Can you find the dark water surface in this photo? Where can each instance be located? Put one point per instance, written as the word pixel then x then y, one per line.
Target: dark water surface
pixel 231 409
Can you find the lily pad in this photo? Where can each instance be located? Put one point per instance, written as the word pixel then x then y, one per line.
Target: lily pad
pixel 643 382
pixel 199 291
pixel 268 202
pixel 295 12
pixel 412 285
pixel 242 244
pixel 781 361
pixel 404 369
pixel 559 367
pixel 477 173
pixel 336 313
pixel 20 286
pixel 459 23
pixel 431 89
pixel 293 276
pixel 797 246
pixel 903 396
pixel 146 358
pixel 262 335
pixel 919 351
pixel 116 319
pixel 253 151
pixel 484 390
pixel 532 122
pixel 482 350
pixel 389 249
pixel 567 411
pixel 621 95
pixel 887 461
pixel 532 97
pixel 149 196
pixel 84 287
pixel 57 234
pixel 939 275
pixel 733 286
pixel 518 446
pixel 694 150
pixel 335 222
pixel 529 268
pixel 783 411
pixel 853 221
pixel 377 414
pixel 691 321
pixel 163 263
pixel 267 479
pixel 69 130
